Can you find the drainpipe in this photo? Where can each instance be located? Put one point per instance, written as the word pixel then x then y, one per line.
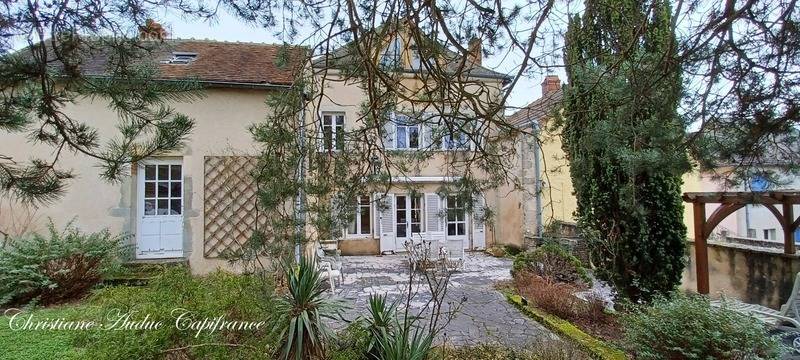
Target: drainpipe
pixel 300 200
pixel 537 179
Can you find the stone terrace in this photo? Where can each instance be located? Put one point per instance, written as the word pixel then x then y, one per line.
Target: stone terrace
pixel 485 317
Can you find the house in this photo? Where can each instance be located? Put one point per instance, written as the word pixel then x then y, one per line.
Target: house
pixel 745 250
pixel 415 203
pixel 199 202
pixel 543 161
pixel 752 222
pixel 164 201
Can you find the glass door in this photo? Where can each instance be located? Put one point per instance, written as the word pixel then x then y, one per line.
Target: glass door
pixel 408 215
pixel 401 218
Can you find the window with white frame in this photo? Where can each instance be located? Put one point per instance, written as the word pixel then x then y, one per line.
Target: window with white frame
pixel 456 217
pixel 361 224
pixel 407 133
pixel 163 189
pixel 770 234
pixel 332 131
pixel 416 62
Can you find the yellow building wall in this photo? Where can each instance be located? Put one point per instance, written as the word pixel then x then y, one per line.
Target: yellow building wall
pixel 558 200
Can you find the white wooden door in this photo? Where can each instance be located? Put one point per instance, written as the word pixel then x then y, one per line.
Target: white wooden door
pixel 160 209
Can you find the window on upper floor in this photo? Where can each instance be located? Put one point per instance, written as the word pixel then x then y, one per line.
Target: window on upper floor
pixel 407 133
pixel 332 131
pixel 428 132
pixel 457 140
pixel 416 62
pixel 456 136
pixel 391 56
pixel 770 234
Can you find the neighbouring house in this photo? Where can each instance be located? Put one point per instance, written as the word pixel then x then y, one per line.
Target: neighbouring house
pixel 544 162
pixel 746 258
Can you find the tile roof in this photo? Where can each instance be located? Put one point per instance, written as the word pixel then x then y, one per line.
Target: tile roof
pixel 218 62
pixel 341 57
pixel 537 110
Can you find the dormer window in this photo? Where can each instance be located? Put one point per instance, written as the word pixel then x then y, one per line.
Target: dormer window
pixel 416 62
pixel 181 58
pixel 391 56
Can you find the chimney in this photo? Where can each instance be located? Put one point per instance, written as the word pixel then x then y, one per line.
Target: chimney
pixel 475 52
pixel 550 85
pixel 152 31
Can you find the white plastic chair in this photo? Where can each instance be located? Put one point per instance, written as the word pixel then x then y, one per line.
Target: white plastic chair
pixel 788 314
pixel 330 267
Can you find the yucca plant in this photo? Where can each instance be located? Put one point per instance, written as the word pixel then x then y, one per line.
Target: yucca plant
pixel 393 339
pixel 300 313
pixel 408 342
pixel 381 320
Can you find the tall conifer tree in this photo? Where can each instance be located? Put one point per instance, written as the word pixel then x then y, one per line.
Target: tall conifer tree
pixel 623 138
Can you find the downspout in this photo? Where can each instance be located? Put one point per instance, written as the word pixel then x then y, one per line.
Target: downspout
pixel 537 178
pixel 299 206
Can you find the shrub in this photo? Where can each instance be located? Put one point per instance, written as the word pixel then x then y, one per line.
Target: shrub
pixel 545 350
pixel 300 312
pixel 381 320
pixel 56 267
pixel 235 297
pixel 553 297
pixel 557 298
pixel 512 250
pixel 496 251
pixel 688 327
pixel 553 262
pixel 352 343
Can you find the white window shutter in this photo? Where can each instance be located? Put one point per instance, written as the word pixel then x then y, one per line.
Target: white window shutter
pixel 389 132
pixel 386 223
pixel 433 210
pixel 376 215
pixel 478 223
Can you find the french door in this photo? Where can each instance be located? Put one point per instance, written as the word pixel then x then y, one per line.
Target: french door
pixel 456 220
pixel 160 209
pixel 408 218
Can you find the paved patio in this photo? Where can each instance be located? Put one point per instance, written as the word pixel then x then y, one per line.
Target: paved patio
pixel 485 317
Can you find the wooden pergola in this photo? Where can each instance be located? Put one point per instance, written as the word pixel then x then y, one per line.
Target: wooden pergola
pixel 729 203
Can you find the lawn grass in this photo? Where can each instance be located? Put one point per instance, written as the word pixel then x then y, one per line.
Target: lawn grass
pixel 40 344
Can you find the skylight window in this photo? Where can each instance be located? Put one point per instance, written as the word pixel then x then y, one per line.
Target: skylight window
pixel 181 58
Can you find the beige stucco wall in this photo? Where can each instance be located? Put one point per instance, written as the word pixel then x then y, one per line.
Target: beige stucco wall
pixel 347 97
pixel 221 121
pixel 756 276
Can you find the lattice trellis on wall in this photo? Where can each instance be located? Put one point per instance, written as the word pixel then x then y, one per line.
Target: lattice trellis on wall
pixel 231 203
